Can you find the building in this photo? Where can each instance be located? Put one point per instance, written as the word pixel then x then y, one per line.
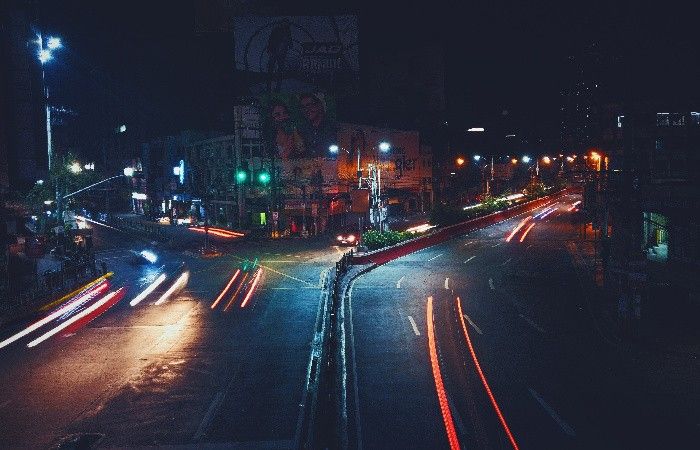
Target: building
pixel 651 206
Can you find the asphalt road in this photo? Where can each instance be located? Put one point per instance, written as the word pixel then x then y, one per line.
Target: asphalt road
pixel 555 378
pixel 177 372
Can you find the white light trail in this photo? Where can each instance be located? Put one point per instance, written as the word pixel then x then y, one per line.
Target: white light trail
pixel 56 314
pixel 179 283
pixel 74 319
pixel 146 292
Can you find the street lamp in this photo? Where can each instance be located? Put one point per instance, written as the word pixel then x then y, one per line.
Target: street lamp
pixel 460 161
pixel 384 146
pixel 75 167
pixel 477 157
pixel 333 148
pixel 526 159
pixel 546 159
pixel 44 55
pixel 128 171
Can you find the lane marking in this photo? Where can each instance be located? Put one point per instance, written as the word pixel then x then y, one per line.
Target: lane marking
pixel 209 415
pixel 491 284
pixel 528 247
pixel 447 283
pixel 439 386
pixel 483 377
pixel 566 428
pixel 413 324
pixel 469 259
pixel 532 323
pixel 436 256
pixel 398 283
pixel 469 243
pixel 496 245
pixel 471 322
pixel 506 261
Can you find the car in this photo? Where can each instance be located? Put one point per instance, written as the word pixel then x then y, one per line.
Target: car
pixel 347 237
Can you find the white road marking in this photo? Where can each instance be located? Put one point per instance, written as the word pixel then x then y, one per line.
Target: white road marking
pixel 436 256
pixel 496 245
pixel 506 261
pixel 491 284
pixel 471 322
pixel 209 416
pixel 398 283
pixel 566 428
pixel 528 247
pixel 469 243
pixel 447 283
pixel 413 324
pixel 532 324
pixel 469 259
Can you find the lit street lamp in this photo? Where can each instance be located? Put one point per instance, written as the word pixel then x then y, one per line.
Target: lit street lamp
pixel 44 55
pixel 384 146
pixel 477 157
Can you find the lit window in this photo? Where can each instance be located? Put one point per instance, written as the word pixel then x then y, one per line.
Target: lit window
pixel 619 121
pixel 695 118
pixel 677 119
pixel 662 119
pixel 659 145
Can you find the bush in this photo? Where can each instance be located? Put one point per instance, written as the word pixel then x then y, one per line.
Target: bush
pixel 375 240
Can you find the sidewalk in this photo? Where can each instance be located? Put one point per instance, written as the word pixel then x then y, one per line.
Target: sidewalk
pixel 625 320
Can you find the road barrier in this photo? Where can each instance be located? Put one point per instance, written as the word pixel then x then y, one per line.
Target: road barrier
pixel 384 255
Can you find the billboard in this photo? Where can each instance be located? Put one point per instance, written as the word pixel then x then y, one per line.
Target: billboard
pixel 297 53
pixel 298 126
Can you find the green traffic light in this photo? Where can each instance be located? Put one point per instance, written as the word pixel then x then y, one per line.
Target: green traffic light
pixel 241 176
pixel 264 177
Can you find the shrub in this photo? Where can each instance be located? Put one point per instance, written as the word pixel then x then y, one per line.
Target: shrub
pixel 375 240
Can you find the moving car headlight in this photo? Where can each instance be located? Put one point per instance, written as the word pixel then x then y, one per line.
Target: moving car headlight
pixel 149 256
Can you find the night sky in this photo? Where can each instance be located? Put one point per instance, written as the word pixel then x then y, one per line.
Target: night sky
pixel 499 55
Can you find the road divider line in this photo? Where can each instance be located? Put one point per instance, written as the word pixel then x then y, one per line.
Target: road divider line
pixel 506 261
pixel 398 283
pixel 413 324
pixel 447 283
pixel 491 284
pixel 439 386
pixel 496 245
pixel 566 428
pixel 209 415
pixel 532 323
pixel 469 259
pixel 501 418
pixel 436 256
pixel 471 322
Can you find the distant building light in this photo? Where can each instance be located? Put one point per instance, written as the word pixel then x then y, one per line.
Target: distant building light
pixel 477 157
pixel 526 159
pixel 384 146
pixel 128 171
pixel 176 170
pixel 48 202
pixel 39 182
pixel 476 129
pixel 333 148
pixel 138 196
pixel 122 128
pixel 510 135
pixel 619 121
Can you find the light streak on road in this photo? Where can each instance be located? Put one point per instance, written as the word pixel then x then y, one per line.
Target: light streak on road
pixel 439 386
pixel 545 212
pixel 548 213
pixel 252 288
pixel 517 228
pixel 574 205
pixel 77 291
pixel 228 285
pixel 146 292
pixel 180 283
pixel 218 232
pixel 238 289
pixel 92 308
pixel 96 223
pixel 527 230
pixel 501 418
pixel 55 315
pixel 420 228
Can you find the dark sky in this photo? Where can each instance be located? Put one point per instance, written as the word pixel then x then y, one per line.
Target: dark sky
pixel 499 55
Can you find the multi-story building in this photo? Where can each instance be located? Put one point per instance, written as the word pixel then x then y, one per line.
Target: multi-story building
pixel 653 203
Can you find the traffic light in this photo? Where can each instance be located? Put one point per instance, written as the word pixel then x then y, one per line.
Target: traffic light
pixel 264 177
pixel 241 176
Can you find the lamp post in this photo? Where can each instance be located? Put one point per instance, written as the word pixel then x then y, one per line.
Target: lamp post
pixel 44 55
